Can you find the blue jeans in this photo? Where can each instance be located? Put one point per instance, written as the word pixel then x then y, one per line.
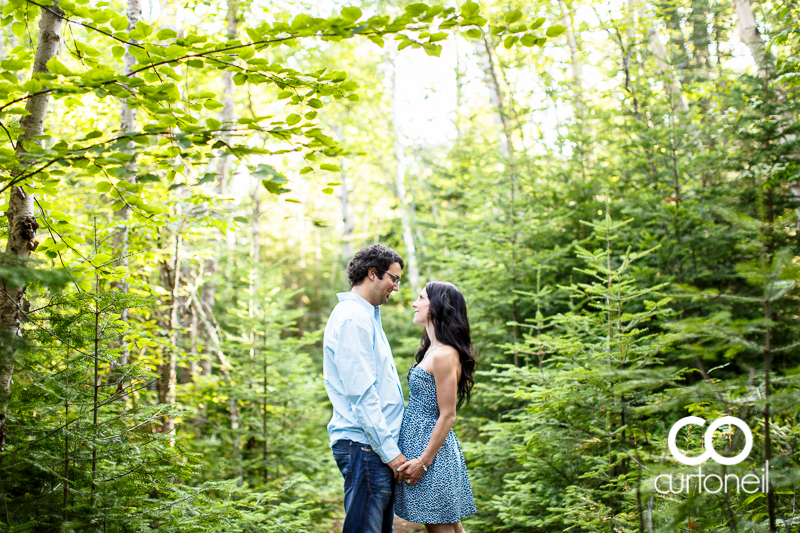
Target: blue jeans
pixel 368 488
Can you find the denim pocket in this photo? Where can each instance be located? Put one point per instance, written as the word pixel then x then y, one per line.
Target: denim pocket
pixel 343 460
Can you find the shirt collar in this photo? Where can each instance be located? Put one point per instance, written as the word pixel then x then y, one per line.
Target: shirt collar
pixel 374 309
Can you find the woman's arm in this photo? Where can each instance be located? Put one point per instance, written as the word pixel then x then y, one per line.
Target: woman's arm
pixel 445 372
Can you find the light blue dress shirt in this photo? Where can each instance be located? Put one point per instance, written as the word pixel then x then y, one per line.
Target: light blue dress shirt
pixel 361 378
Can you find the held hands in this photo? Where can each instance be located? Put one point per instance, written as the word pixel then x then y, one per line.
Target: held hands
pixel 395 464
pixel 411 471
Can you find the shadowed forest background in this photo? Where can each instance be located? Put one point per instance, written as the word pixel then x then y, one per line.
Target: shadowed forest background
pixel 613 186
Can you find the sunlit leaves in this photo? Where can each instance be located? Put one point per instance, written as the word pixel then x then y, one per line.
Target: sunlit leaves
pixel 555 31
pixel 351 14
pixel 513 16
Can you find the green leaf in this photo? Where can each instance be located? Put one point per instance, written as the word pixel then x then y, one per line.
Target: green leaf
pixel 328 166
pixel 537 23
pixel 528 40
pixel 351 14
pixel 474 33
pixel 208 177
pixel 293 119
pixel 117 51
pixel 469 9
pixel 141 31
pixel 513 16
pixel 315 103
pixel 13 64
pixel 284 94
pixel 165 34
pixel 101 16
pixel 555 31
pixel 119 23
pixel 274 186
pixel 416 10
pixel 103 186
pixel 509 41
pixel 57 67
pixel 432 49
pixel 306 170
pixel 241 220
pixel 246 53
pixel 327 190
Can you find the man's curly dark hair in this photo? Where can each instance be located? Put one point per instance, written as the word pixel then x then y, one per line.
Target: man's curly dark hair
pixel 376 256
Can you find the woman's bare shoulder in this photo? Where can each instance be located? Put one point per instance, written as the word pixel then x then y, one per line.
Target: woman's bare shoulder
pixel 445 357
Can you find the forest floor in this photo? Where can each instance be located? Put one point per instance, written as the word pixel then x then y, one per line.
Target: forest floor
pixel 400 526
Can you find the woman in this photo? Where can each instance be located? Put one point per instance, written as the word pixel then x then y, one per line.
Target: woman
pixel 434 488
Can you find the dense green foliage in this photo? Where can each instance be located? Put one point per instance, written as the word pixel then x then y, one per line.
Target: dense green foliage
pixel 621 216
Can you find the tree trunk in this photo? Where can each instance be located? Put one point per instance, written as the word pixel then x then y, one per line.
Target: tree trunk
pixel 749 34
pixel 227 114
pixel 347 217
pixel 344 197
pixel 585 132
pixel 209 291
pixel 577 65
pixel 400 189
pixel 127 125
pixel 22 224
pixel 701 38
pixel 168 378
pixel 666 69
pixel 506 149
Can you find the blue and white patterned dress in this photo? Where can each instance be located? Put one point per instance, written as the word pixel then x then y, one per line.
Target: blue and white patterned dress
pixel 443 494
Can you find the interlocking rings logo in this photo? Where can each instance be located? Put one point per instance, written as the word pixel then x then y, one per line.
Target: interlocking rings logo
pixel 709 440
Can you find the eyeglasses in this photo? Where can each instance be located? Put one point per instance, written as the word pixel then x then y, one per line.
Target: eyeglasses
pixel 395 279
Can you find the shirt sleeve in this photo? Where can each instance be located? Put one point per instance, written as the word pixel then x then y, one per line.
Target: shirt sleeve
pixel 355 360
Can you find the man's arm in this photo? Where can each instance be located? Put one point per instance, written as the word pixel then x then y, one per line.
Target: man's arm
pixel 355 360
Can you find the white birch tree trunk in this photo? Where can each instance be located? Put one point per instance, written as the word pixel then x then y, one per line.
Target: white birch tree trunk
pixel 344 198
pixel 507 150
pixel 127 125
pixel 400 187
pixel 347 216
pixel 577 64
pixel 209 291
pixel 168 369
pixel 22 223
pixel 585 131
pixel 749 34
pixel 666 69
pixel 227 113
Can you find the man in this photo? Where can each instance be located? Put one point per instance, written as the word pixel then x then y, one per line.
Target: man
pixel 364 388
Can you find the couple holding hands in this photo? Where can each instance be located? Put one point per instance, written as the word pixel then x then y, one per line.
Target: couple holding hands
pixel 398 459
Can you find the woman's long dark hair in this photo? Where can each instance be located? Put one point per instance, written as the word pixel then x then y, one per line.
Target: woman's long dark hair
pixel 451 325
